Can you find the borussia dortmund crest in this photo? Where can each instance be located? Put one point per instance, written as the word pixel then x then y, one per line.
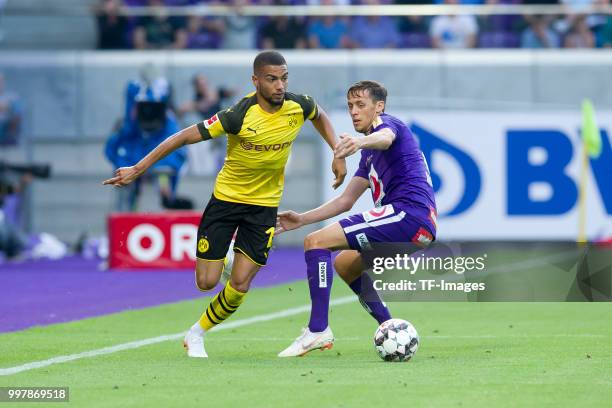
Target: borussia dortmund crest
pixel 292 121
pixel 203 245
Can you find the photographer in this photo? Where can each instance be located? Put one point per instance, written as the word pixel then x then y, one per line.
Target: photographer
pixel 147 123
pixel 10 115
pixel 14 179
pixel 12 239
pixel 207 100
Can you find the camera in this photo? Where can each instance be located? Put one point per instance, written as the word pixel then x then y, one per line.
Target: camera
pixel 40 170
pixel 151 116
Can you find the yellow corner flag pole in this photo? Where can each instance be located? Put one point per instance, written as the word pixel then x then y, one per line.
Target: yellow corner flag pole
pixel 582 191
pixel 591 147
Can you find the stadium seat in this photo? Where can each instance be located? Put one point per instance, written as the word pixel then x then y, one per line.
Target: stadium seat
pixel 498 39
pixel 415 40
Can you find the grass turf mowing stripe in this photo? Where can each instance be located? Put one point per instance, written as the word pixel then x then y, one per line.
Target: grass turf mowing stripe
pixel 154 340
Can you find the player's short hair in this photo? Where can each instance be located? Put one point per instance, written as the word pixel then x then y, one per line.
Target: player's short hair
pixel 376 90
pixel 267 58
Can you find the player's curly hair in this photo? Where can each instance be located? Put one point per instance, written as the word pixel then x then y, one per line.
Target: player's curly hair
pixel 376 90
pixel 268 58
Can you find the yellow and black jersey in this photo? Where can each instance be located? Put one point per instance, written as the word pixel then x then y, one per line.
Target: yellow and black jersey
pixel 258 147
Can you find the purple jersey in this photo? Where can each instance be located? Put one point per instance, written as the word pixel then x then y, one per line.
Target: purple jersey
pixel 398 175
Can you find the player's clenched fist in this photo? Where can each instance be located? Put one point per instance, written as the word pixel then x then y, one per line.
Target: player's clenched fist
pixel 347 146
pixel 123 176
pixel 287 221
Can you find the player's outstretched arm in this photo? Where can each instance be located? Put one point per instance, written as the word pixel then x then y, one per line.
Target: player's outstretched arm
pixel 290 220
pixel 348 145
pixel 326 130
pixel 125 175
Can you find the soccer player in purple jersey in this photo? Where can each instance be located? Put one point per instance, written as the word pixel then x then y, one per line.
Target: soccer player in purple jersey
pixel 394 168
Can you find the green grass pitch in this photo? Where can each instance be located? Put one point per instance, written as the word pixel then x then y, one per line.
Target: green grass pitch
pixel 471 354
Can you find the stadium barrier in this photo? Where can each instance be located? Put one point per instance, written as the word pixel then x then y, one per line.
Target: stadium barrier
pixel 153 240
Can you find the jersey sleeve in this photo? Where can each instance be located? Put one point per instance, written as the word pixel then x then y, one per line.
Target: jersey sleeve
pixel 362 170
pixel 212 127
pixel 393 128
pixel 227 121
pixel 309 106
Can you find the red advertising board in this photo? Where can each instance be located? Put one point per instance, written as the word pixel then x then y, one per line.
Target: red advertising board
pixel 160 240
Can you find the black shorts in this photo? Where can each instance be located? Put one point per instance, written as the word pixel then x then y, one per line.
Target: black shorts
pixel 219 222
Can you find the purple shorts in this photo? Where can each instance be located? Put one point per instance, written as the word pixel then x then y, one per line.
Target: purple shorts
pixel 390 223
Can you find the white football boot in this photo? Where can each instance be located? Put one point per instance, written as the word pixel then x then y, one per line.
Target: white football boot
pixel 194 344
pixel 309 341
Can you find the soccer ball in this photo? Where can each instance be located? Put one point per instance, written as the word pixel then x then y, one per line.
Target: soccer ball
pixel 396 340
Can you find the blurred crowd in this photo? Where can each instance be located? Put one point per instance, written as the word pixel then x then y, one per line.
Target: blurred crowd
pixel 163 31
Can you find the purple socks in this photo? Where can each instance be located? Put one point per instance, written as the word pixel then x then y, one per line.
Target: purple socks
pixel 320 277
pixel 369 299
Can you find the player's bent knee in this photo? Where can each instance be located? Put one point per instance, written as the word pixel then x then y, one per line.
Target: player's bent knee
pixel 345 273
pixel 340 267
pixel 204 281
pixel 313 241
pixel 348 265
pixel 241 285
pixel 205 284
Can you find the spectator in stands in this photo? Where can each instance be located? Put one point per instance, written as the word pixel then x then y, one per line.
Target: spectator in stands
pixel 202 32
pixel 2 6
pixel 10 115
pixel 453 31
pixel 284 32
pixel 606 33
pixel 579 35
pixel 240 30
pixel 112 28
pixel 160 31
pixel 328 31
pixel 374 31
pixel 539 34
pixel 207 101
pixel 413 24
pixel 414 30
pixel 147 123
pixel 576 10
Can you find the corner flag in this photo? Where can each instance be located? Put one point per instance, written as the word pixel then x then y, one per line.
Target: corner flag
pixel 590 132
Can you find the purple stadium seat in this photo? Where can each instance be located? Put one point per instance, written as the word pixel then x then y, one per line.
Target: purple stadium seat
pixel 503 22
pixel 204 40
pixel 183 2
pixel 498 39
pixel 135 3
pixel 415 40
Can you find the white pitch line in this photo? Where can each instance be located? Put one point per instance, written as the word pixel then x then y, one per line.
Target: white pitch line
pixel 154 340
pixel 435 337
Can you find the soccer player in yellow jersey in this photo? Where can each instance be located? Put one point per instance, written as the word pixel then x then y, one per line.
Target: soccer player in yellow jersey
pixel 261 129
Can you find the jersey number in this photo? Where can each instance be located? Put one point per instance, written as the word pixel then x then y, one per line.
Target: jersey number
pixel 270 232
